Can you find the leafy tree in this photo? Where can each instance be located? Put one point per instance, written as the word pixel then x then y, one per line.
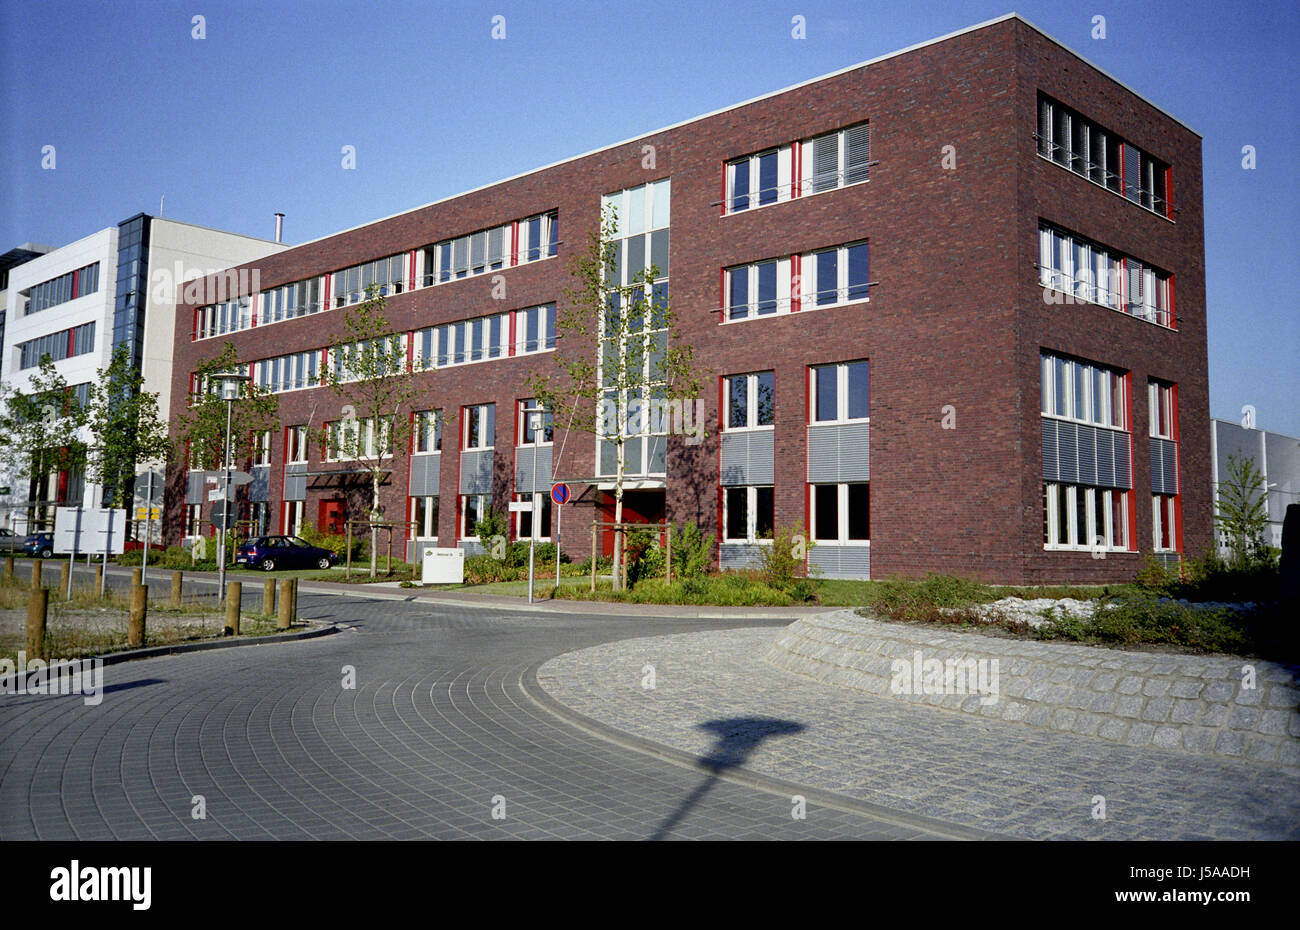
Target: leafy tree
pixel 1241 510
pixel 201 427
pixel 620 359
pixel 41 432
pixel 369 375
pixel 125 426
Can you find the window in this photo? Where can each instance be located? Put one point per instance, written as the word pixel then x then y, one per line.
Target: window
pixel 262 449
pixel 65 287
pixel 751 401
pixel 289 301
pixel 759 289
pixel 194 520
pixel 492 249
pixel 841 513
pixel 288 372
pixel 759 180
pixel 535 329
pixel 226 317
pixel 478 340
pixel 294 512
pixel 748 513
pixel 424 517
pixel 836 159
pixel 838 275
pixel 427 431
pixel 387 274
pixel 68 343
pixel 1085 518
pixel 1077 390
pixel 1160 405
pixel 474 508
pixel 524 519
pixel 295 448
pixel 1099 155
pixel 1164 522
pixel 1093 273
pixel 383 357
pixel 528 433
pixel 358 439
pixel 840 392
pixel 480 426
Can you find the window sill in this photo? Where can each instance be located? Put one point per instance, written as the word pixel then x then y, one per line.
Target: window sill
pixel 789 313
pixel 796 197
pixel 1086 550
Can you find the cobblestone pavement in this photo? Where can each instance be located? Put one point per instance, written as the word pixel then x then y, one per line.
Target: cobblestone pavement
pixel 438 731
pixel 958 768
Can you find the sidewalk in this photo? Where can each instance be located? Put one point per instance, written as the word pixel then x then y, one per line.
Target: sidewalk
pixel 921 760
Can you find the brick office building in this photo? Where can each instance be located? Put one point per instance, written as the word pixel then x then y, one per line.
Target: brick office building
pixel 935 294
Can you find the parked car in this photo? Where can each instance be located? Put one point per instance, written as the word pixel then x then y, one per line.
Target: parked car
pixel 11 542
pixel 271 552
pixel 39 544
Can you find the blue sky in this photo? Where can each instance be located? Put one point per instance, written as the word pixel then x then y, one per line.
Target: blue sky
pixel 251 119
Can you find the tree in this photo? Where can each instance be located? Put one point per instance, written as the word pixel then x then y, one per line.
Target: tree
pixel 620 359
pixel 368 372
pixel 1241 510
pixel 125 427
pixel 200 436
pixel 40 433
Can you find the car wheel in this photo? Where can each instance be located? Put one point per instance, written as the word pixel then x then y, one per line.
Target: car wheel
pixel 268 565
pixel 46 553
pixel 323 563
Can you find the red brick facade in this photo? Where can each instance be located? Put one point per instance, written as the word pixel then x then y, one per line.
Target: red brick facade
pixel 956 317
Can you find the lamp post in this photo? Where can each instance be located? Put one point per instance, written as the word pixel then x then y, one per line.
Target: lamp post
pixel 228 385
pixel 535 420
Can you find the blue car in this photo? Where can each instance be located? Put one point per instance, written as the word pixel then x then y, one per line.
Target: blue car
pixel 271 552
pixel 39 544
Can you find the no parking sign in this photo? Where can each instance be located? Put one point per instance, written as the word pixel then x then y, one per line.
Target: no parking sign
pixel 559 493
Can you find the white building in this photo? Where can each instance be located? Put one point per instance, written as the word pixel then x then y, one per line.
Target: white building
pixel 1277 456
pixel 77 303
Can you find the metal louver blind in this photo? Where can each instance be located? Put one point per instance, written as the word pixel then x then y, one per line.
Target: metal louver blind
pixel 825 163
pixel 857 144
pixel 1045 128
pixel 1132 172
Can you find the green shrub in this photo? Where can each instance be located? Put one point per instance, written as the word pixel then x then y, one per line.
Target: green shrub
pixel 645 558
pixel 483 569
pixel 494 523
pixel 781 563
pixel 692 551
pixel 334 542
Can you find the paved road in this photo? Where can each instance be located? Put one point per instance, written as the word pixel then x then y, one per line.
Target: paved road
pixel 438 729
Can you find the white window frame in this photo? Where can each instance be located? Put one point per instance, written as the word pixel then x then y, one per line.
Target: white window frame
pixel 841 180
pixel 427 426
pixel 294 514
pixel 465 436
pixel 1164 516
pixel 1102 407
pixel 546 326
pixel 807 273
pixel 466 526
pixel 297 445
pixel 782 293
pixel 416 526
pixel 1115 537
pixel 1160 399
pixel 394 284
pixel 751 402
pixel 373 438
pixel 262 449
pixel 841 393
pixel 751 514
pixel 749 164
pixel 842 514
pixel 540 500
pixel 521 424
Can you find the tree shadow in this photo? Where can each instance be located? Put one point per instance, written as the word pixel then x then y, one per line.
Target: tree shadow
pixel 735 739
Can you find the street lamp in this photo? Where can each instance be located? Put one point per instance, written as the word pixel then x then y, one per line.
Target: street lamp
pixel 535 420
pixel 228 386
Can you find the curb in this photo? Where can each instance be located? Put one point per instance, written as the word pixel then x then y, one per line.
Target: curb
pixel 152 652
pixel 938 829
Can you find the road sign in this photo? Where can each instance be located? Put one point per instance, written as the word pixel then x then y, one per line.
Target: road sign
pixel 560 493
pixel 521 506
pixel 78 529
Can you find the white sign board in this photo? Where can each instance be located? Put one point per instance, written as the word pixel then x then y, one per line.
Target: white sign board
pixel 78 529
pixel 443 566
pixel 521 506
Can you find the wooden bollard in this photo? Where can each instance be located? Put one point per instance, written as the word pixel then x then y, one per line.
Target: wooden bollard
pixel 268 597
pixel 234 591
pixel 99 578
pixel 9 570
pixel 36 573
pixel 36 605
pixel 293 586
pixel 139 609
pixel 65 573
pixel 284 618
pixel 137 577
pixel 178 579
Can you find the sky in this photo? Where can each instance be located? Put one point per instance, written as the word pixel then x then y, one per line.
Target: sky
pixel 252 118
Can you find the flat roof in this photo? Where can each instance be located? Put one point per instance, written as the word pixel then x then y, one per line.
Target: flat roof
pixel 745 103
